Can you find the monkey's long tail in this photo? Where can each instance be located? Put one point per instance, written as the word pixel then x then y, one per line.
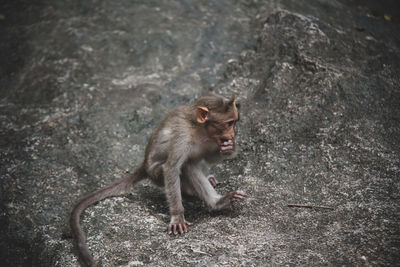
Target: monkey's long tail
pixel 108 191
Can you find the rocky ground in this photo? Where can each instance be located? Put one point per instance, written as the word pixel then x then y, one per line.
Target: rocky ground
pixel 82 84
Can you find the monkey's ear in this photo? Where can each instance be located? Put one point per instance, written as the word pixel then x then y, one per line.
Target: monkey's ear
pixel 237 104
pixel 202 114
pixel 234 101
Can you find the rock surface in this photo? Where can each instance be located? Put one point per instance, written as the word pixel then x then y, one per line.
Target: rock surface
pixel 82 83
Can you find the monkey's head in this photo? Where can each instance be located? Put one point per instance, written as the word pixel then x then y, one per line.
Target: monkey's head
pixel 219 115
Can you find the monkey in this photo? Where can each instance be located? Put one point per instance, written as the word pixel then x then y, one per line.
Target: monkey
pixel 180 149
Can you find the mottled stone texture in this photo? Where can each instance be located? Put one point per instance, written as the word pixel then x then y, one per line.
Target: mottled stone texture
pixel 82 83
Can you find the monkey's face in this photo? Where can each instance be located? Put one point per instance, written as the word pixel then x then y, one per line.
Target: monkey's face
pixel 222 131
pixel 220 125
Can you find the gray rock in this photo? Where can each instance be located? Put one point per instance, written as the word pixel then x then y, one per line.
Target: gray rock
pixel 83 83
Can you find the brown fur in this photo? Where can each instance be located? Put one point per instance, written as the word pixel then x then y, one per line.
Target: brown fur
pixel 179 150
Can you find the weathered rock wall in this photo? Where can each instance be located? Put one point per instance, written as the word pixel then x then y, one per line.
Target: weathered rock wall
pixel 84 82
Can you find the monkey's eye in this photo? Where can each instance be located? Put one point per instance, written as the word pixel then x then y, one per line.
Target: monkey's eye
pixel 230 123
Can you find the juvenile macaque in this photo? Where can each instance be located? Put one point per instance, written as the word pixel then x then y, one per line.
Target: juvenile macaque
pixel 179 150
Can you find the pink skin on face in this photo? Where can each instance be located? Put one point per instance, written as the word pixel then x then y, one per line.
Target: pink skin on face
pixel 226 145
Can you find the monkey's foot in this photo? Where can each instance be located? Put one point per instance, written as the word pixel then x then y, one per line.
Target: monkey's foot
pixel 213 181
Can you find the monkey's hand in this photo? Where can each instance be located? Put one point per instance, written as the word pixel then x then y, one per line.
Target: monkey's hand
pixel 229 198
pixel 178 224
pixel 236 196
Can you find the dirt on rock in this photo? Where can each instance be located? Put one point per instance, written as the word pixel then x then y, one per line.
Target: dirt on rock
pixel 83 83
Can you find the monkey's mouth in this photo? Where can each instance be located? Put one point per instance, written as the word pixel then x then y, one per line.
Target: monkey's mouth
pixel 225 145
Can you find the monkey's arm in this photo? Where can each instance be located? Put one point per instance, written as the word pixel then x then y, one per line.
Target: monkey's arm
pixel 205 190
pixel 172 183
pixel 193 174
